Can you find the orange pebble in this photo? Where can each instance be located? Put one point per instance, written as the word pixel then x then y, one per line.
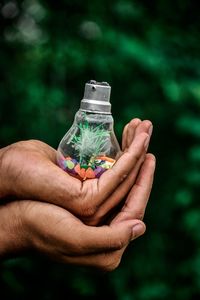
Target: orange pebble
pixel 77 168
pixel 106 158
pixel 79 171
pixel 90 173
pixel 82 173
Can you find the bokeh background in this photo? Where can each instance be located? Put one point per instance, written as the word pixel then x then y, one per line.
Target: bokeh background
pixel 149 52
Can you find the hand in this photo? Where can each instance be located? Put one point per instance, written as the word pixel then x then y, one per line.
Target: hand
pixel 29 171
pixel 58 234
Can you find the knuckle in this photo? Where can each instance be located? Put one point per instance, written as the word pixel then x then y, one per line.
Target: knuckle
pixel 120 177
pixel 137 154
pixel 117 243
pixel 123 177
pixel 139 214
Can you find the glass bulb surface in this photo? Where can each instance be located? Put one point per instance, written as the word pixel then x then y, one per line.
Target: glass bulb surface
pixel 90 146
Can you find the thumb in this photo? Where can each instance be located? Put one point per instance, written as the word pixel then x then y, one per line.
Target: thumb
pixel 109 238
pixel 138 229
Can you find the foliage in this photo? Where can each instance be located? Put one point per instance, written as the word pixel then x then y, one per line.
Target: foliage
pixel 148 51
pixel 91 141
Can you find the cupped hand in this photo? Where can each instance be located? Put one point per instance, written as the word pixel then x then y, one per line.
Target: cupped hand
pixel 29 171
pixel 60 235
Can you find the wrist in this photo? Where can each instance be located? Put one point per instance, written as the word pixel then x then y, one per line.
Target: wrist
pixel 12 233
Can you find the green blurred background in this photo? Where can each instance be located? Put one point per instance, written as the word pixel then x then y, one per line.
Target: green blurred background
pixel 149 52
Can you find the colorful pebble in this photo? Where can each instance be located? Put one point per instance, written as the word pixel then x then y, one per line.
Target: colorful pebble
pixel 70 164
pixel 106 158
pixel 89 173
pixel 99 171
pixel 83 172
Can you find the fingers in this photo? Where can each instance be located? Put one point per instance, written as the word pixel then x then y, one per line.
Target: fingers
pixel 110 248
pixel 112 178
pixel 93 240
pixel 140 192
pixel 124 137
pixel 145 126
pixel 59 234
pixel 137 199
pixel 106 208
pixel 133 128
pixel 108 258
pixel 104 261
pixel 128 133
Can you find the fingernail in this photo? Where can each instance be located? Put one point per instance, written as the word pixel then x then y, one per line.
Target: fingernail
pixel 146 143
pixel 150 130
pixel 137 230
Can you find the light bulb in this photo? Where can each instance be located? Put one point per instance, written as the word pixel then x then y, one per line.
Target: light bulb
pixel 90 146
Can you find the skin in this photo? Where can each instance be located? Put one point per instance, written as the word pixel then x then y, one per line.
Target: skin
pixel 58 234
pixel 29 171
pixel 64 233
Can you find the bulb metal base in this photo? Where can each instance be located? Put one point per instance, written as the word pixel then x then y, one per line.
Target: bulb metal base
pixel 96 97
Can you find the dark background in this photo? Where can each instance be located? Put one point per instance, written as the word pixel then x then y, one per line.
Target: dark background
pixel 149 52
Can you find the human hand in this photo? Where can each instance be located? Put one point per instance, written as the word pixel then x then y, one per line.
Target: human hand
pixel 29 171
pixel 58 234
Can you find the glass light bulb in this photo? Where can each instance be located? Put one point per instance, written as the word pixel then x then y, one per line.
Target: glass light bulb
pixel 90 146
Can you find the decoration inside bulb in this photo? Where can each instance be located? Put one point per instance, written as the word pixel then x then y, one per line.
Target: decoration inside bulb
pixel 84 155
pixel 93 169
